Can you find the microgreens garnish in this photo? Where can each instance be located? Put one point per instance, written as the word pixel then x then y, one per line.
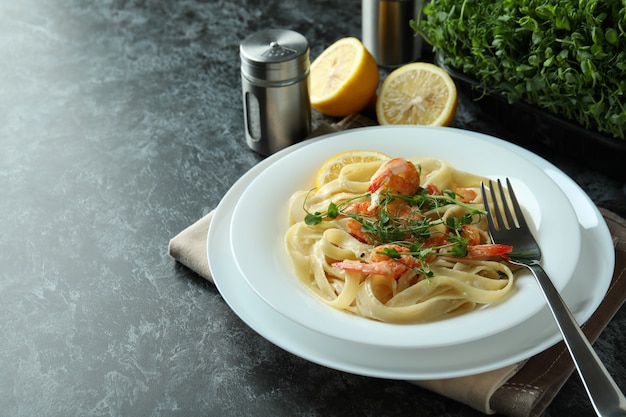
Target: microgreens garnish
pixel 313 219
pixel 411 229
pixel 426 201
pixel 316 218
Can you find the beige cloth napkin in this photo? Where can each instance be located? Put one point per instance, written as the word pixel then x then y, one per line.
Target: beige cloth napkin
pixel 524 389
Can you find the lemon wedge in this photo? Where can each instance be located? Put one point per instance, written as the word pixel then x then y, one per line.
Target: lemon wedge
pixel 343 78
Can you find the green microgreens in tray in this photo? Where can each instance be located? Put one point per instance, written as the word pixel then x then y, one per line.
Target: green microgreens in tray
pixel 565 56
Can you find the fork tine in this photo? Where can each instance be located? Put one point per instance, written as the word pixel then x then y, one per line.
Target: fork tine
pixel 510 221
pixel 490 222
pixel 521 221
pixel 509 230
pixel 500 223
pixel 505 216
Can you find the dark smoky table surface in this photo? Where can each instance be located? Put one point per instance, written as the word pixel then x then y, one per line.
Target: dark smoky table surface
pixel 121 123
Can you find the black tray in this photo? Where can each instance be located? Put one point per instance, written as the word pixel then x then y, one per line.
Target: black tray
pixel 531 126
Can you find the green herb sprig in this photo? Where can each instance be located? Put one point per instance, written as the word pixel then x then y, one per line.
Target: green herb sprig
pixel 333 210
pixel 382 227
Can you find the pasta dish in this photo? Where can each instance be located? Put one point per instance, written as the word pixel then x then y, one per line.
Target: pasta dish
pixel 398 241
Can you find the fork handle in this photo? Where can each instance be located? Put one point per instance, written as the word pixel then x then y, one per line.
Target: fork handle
pixel 605 395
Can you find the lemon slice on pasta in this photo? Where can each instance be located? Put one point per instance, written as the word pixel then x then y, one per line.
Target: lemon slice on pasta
pixel 332 167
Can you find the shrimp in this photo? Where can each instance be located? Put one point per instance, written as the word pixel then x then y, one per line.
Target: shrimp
pixel 396 175
pixel 354 227
pixel 382 264
pixel 356 231
pixel 475 249
pixel 396 208
pixel 472 234
pixel 359 207
pixel 465 195
pixel 402 212
pixel 488 250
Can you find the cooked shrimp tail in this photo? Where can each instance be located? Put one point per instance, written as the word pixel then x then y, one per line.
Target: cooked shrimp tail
pixel 382 264
pixel 391 268
pixel 488 250
pixel 396 175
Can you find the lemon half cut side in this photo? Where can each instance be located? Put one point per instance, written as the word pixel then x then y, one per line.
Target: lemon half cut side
pixel 343 78
pixel 417 94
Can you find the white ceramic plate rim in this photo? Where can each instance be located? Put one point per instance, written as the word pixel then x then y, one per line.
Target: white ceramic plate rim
pixel 260 223
pixel 518 343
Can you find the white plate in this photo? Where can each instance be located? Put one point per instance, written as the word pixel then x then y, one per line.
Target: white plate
pixel 260 223
pixel 582 294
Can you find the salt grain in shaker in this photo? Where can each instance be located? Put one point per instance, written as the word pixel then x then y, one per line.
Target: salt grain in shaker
pixel 274 79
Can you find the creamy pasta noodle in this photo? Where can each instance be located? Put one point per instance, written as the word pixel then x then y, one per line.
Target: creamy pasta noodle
pixel 398 241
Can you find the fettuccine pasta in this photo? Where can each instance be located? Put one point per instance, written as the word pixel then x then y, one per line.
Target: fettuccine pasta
pixel 399 241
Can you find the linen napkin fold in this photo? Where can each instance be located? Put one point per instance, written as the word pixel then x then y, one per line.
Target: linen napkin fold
pixel 523 389
pixel 189 246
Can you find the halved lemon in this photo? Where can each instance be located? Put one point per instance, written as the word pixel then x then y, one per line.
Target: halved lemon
pixel 332 167
pixel 343 78
pixel 419 94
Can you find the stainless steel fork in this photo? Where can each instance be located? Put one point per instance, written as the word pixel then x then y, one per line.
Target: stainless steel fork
pixel 508 226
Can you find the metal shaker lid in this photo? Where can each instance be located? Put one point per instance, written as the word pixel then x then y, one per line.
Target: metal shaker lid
pixel 275 55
